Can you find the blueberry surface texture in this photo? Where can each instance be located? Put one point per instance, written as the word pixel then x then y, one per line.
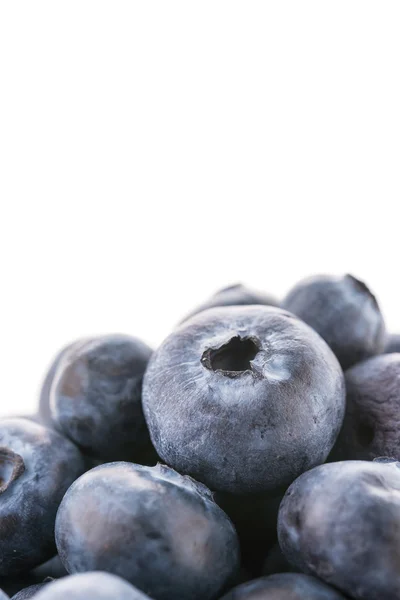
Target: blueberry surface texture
pixel 3 595
pixel 29 592
pixel 90 586
pixel 340 522
pixel 44 413
pixel 392 343
pixel 284 586
pixel 344 312
pixel 96 397
pixel 37 465
pixel 244 398
pixel 371 426
pixel 159 530
pixel 235 295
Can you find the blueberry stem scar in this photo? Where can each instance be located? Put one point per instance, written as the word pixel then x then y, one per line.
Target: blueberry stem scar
pixel 11 467
pixel 233 358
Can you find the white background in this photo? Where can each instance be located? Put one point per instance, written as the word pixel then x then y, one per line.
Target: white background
pixel 153 151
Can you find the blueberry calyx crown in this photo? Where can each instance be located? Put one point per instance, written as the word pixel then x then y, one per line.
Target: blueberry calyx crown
pixel 12 466
pixel 233 358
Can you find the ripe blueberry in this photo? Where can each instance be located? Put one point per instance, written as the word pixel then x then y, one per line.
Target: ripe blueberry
pixel 371 426
pixel 340 522
pixel 95 397
pixel 235 295
pixel 244 398
pixel 37 465
pixel 344 312
pixel 159 530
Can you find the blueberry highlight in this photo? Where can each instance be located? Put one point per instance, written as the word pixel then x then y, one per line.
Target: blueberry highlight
pixel 90 586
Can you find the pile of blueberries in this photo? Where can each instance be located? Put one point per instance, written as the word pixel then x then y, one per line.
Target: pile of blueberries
pixel 252 456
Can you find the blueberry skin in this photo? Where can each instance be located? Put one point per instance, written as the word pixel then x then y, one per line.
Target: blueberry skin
pixel 244 398
pixel 29 592
pixel 371 426
pixel 159 530
pixel 3 595
pixel 392 343
pixel 37 465
pixel 90 586
pixel 44 413
pixel 235 295
pixel 344 312
pixel 340 522
pixel 95 397
pixel 284 586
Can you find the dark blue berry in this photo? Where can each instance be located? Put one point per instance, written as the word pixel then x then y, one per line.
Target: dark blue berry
pixel 244 398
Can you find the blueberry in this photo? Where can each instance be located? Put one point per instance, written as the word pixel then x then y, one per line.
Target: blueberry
pixel 159 530
pixel 3 595
pixel 235 295
pixel 90 586
pixel 37 465
pixel 284 586
pixel 340 522
pixel 371 425
pixel 392 343
pixel 244 398
pixel 95 397
pixel 344 312
pixel 29 592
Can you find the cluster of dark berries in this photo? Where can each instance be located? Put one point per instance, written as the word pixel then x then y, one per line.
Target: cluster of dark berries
pixel 252 456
